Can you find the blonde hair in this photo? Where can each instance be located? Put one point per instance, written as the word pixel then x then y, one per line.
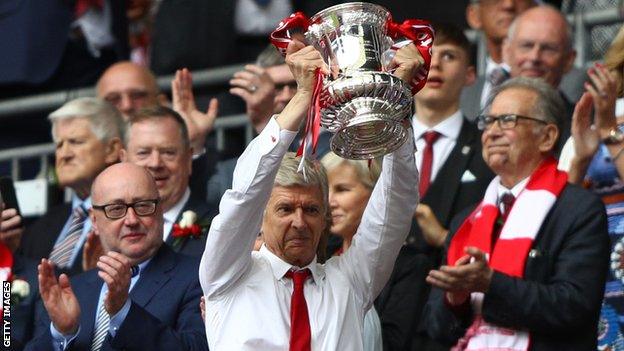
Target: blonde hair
pixel 367 175
pixel 614 60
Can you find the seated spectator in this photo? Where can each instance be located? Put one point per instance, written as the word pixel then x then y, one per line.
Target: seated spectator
pixel 87 133
pixel 350 186
pixel 157 139
pixel 236 280
pixel 593 158
pixel 525 270
pixel 22 273
pixel 143 296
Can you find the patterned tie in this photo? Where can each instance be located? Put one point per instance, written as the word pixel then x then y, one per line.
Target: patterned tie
pixel 103 321
pixel 507 200
pixel 497 76
pixel 300 334
pixel 62 252
pixel 427 161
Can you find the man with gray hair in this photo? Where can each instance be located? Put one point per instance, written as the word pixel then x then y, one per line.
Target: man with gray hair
pixel 87 133
pixel 281 297
pixel 525 269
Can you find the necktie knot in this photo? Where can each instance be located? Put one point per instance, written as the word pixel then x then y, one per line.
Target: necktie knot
pixel 299 277
pixel 497 76
pixel 507 199
pixel 431 137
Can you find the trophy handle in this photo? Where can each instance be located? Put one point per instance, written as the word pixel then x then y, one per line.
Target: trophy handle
pixel 281 36
pixel 421 34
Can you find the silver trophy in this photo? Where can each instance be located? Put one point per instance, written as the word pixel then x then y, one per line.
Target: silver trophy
pixel 362 102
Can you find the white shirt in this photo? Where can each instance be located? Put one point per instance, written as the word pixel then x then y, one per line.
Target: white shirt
pixel 449 132
pixel 515 191
pixel 487 87
pixel 96 28
pixel 255 20
pixel 173 213
pixel 247 296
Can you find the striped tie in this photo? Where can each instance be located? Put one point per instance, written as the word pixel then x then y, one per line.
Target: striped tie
pixel 101 328
pixel 62 252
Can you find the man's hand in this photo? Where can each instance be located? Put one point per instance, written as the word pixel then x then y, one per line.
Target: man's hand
pixel 199 124
pixel 303 62
pixel 586 138
pixel 604 93
pixel 407 61
pixel 471 273
pixel 115 270
pixel 91 251
pixel 433 232
pixel 59 299
pixel 11 228
pixel 256 87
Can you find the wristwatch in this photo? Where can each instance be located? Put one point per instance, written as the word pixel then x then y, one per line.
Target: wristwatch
pixel 615 136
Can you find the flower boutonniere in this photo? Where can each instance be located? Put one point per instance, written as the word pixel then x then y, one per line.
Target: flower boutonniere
pixel 188 227
pixel 20 289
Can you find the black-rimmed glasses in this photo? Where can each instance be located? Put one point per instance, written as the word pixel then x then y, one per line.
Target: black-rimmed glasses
pixel 504 121
pixel 119 210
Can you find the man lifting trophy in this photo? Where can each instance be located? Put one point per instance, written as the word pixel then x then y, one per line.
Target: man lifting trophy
pixel 360 101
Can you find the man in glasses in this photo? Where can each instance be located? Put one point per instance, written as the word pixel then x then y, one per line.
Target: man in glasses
pixel 529 262
pixel 142 295
pixel 157 139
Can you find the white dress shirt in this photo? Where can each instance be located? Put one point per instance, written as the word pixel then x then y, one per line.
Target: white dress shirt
pixel 247 296
pixel 515 191
pixel 449 132
pixel 172 214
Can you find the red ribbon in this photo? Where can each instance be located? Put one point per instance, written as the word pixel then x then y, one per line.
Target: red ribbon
pixel 281 37
pixel 182 232
pixel 421 34
pixel 313 120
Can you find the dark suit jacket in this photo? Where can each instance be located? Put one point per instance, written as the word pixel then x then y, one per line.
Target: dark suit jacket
pixel 23 314
pixel 191 246
pixel 559 298
pixel 36 33
pixel 447 195
pixel 164 312
pixel 39 238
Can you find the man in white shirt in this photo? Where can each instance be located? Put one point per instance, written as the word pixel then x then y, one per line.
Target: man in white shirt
pixel 157 139
pixel 249 295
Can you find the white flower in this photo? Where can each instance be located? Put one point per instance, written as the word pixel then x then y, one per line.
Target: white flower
pixel 20 288
pixel 188 219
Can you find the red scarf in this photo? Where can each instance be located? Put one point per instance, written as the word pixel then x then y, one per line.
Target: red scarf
pixel 511 249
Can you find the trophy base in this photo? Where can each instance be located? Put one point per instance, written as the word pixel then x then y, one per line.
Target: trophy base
pixel 367 137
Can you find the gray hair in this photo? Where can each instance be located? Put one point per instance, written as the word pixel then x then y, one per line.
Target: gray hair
pixel 366 175
pixel 567 46
pixel 270 57
pixel 550 106
pixel 105 120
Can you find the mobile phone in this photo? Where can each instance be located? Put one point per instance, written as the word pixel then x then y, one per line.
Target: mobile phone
pixel 7 194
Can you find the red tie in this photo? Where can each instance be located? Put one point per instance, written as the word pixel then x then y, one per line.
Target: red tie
pixel 300 334
pixel 507 200
pixel 427 160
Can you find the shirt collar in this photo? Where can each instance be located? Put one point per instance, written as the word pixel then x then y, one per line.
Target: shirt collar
pixel 76 201
pixel 173 213
pixel 449 127
pixel 279 267
pixel 515 191
pixel 491 65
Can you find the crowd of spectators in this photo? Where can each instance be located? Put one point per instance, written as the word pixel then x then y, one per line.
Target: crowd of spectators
pixel 496 226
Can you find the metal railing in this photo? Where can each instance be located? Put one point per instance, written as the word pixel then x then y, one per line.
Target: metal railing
pixel 581 22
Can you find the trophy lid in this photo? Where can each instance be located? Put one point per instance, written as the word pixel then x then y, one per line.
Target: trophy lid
pixel 352 12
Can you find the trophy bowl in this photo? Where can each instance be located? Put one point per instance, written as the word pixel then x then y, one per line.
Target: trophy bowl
pixel 361 101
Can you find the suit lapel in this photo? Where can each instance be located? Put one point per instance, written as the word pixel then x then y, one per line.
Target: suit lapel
pixel 156 274
pixel 448 179
pixel 192 204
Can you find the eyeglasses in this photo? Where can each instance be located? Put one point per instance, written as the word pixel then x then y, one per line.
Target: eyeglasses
pixel 141 208
pixel 504 121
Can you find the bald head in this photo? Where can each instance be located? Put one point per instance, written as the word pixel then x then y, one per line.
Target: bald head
pixel 123 175
pixel 128 87
pixel 539 45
